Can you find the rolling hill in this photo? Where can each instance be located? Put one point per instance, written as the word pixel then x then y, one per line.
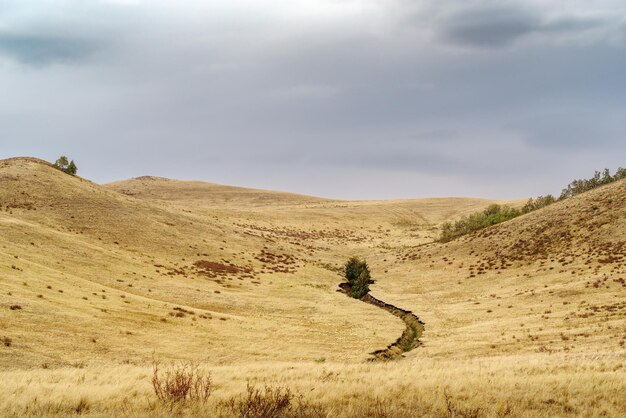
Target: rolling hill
pixel 527 316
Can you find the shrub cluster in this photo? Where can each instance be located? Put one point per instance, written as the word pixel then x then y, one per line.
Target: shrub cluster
pixel 495 214
pixel 358 275
pixel 599 179
pixel 538 203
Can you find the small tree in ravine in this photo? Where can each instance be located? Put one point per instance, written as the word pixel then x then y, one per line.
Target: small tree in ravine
pixel 358 276
pixel 65 165
pixel 361 286
pixel 353 268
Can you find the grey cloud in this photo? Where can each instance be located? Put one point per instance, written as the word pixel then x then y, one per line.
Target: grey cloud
pixel 489 27
pixel 40 50
pixel 573 24
pixel 323 104
pixel 574 129
pixel 497 25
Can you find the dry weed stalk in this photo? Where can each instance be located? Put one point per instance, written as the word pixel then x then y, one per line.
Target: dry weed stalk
pixel 184 382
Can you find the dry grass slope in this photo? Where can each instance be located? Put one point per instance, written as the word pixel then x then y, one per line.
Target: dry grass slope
pixel 526 318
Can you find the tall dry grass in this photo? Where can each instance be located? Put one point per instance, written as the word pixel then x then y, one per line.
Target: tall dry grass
pixel 521 386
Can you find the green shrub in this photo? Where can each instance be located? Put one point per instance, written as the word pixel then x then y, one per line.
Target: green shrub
pixel 538 203
pixel 599 179
pixel 71 168
pixel 493 214
pixel 353 269
pixel 357 274
pixel 361 286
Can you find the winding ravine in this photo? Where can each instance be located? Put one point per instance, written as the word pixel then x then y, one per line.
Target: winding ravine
pixel 409 338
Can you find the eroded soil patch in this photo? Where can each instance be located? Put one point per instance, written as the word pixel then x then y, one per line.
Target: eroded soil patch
pixel 409 338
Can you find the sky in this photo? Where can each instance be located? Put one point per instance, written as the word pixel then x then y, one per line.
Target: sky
pixel 351 99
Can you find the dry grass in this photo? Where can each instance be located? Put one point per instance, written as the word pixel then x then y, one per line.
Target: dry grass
pixel 526 386
pixel 271 402
pixel 514 326
pixel 181 383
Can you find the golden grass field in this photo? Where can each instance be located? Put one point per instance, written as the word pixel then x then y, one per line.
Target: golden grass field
pixel 523 319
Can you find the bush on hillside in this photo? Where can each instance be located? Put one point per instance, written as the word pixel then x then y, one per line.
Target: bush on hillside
pixel 493 214
pixel 538 203
pixel 599 179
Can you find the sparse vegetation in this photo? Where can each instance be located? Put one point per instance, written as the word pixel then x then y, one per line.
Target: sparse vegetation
pixel 538 203
pixel 492 215
pixel 577 187
pixel 260 403
pixel 81 406
pixel 181 383
pixel 272 402
pixel 495 214
pixel 454 410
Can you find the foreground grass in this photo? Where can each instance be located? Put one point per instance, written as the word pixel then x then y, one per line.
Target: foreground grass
pixel 505 386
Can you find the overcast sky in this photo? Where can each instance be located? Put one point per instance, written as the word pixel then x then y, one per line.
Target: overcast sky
pixel 336 98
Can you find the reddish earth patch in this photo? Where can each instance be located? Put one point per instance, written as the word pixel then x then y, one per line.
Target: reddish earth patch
pixel 298 236
pixel 213 269
pixel 277 263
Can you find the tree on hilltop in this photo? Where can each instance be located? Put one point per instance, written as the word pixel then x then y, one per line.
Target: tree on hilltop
pixel 62 163
pixel 71 168
pixel 65 165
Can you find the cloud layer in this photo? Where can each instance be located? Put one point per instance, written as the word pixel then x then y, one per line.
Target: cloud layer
pixel 350 99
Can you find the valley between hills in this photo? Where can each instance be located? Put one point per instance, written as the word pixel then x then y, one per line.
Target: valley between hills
pixel 97 282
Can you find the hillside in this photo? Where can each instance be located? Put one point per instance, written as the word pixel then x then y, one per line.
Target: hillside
pixel 551 280
pixel 206 194
pixel 106 277
pixel 86 262
pixel 123 262
pixel 278 215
